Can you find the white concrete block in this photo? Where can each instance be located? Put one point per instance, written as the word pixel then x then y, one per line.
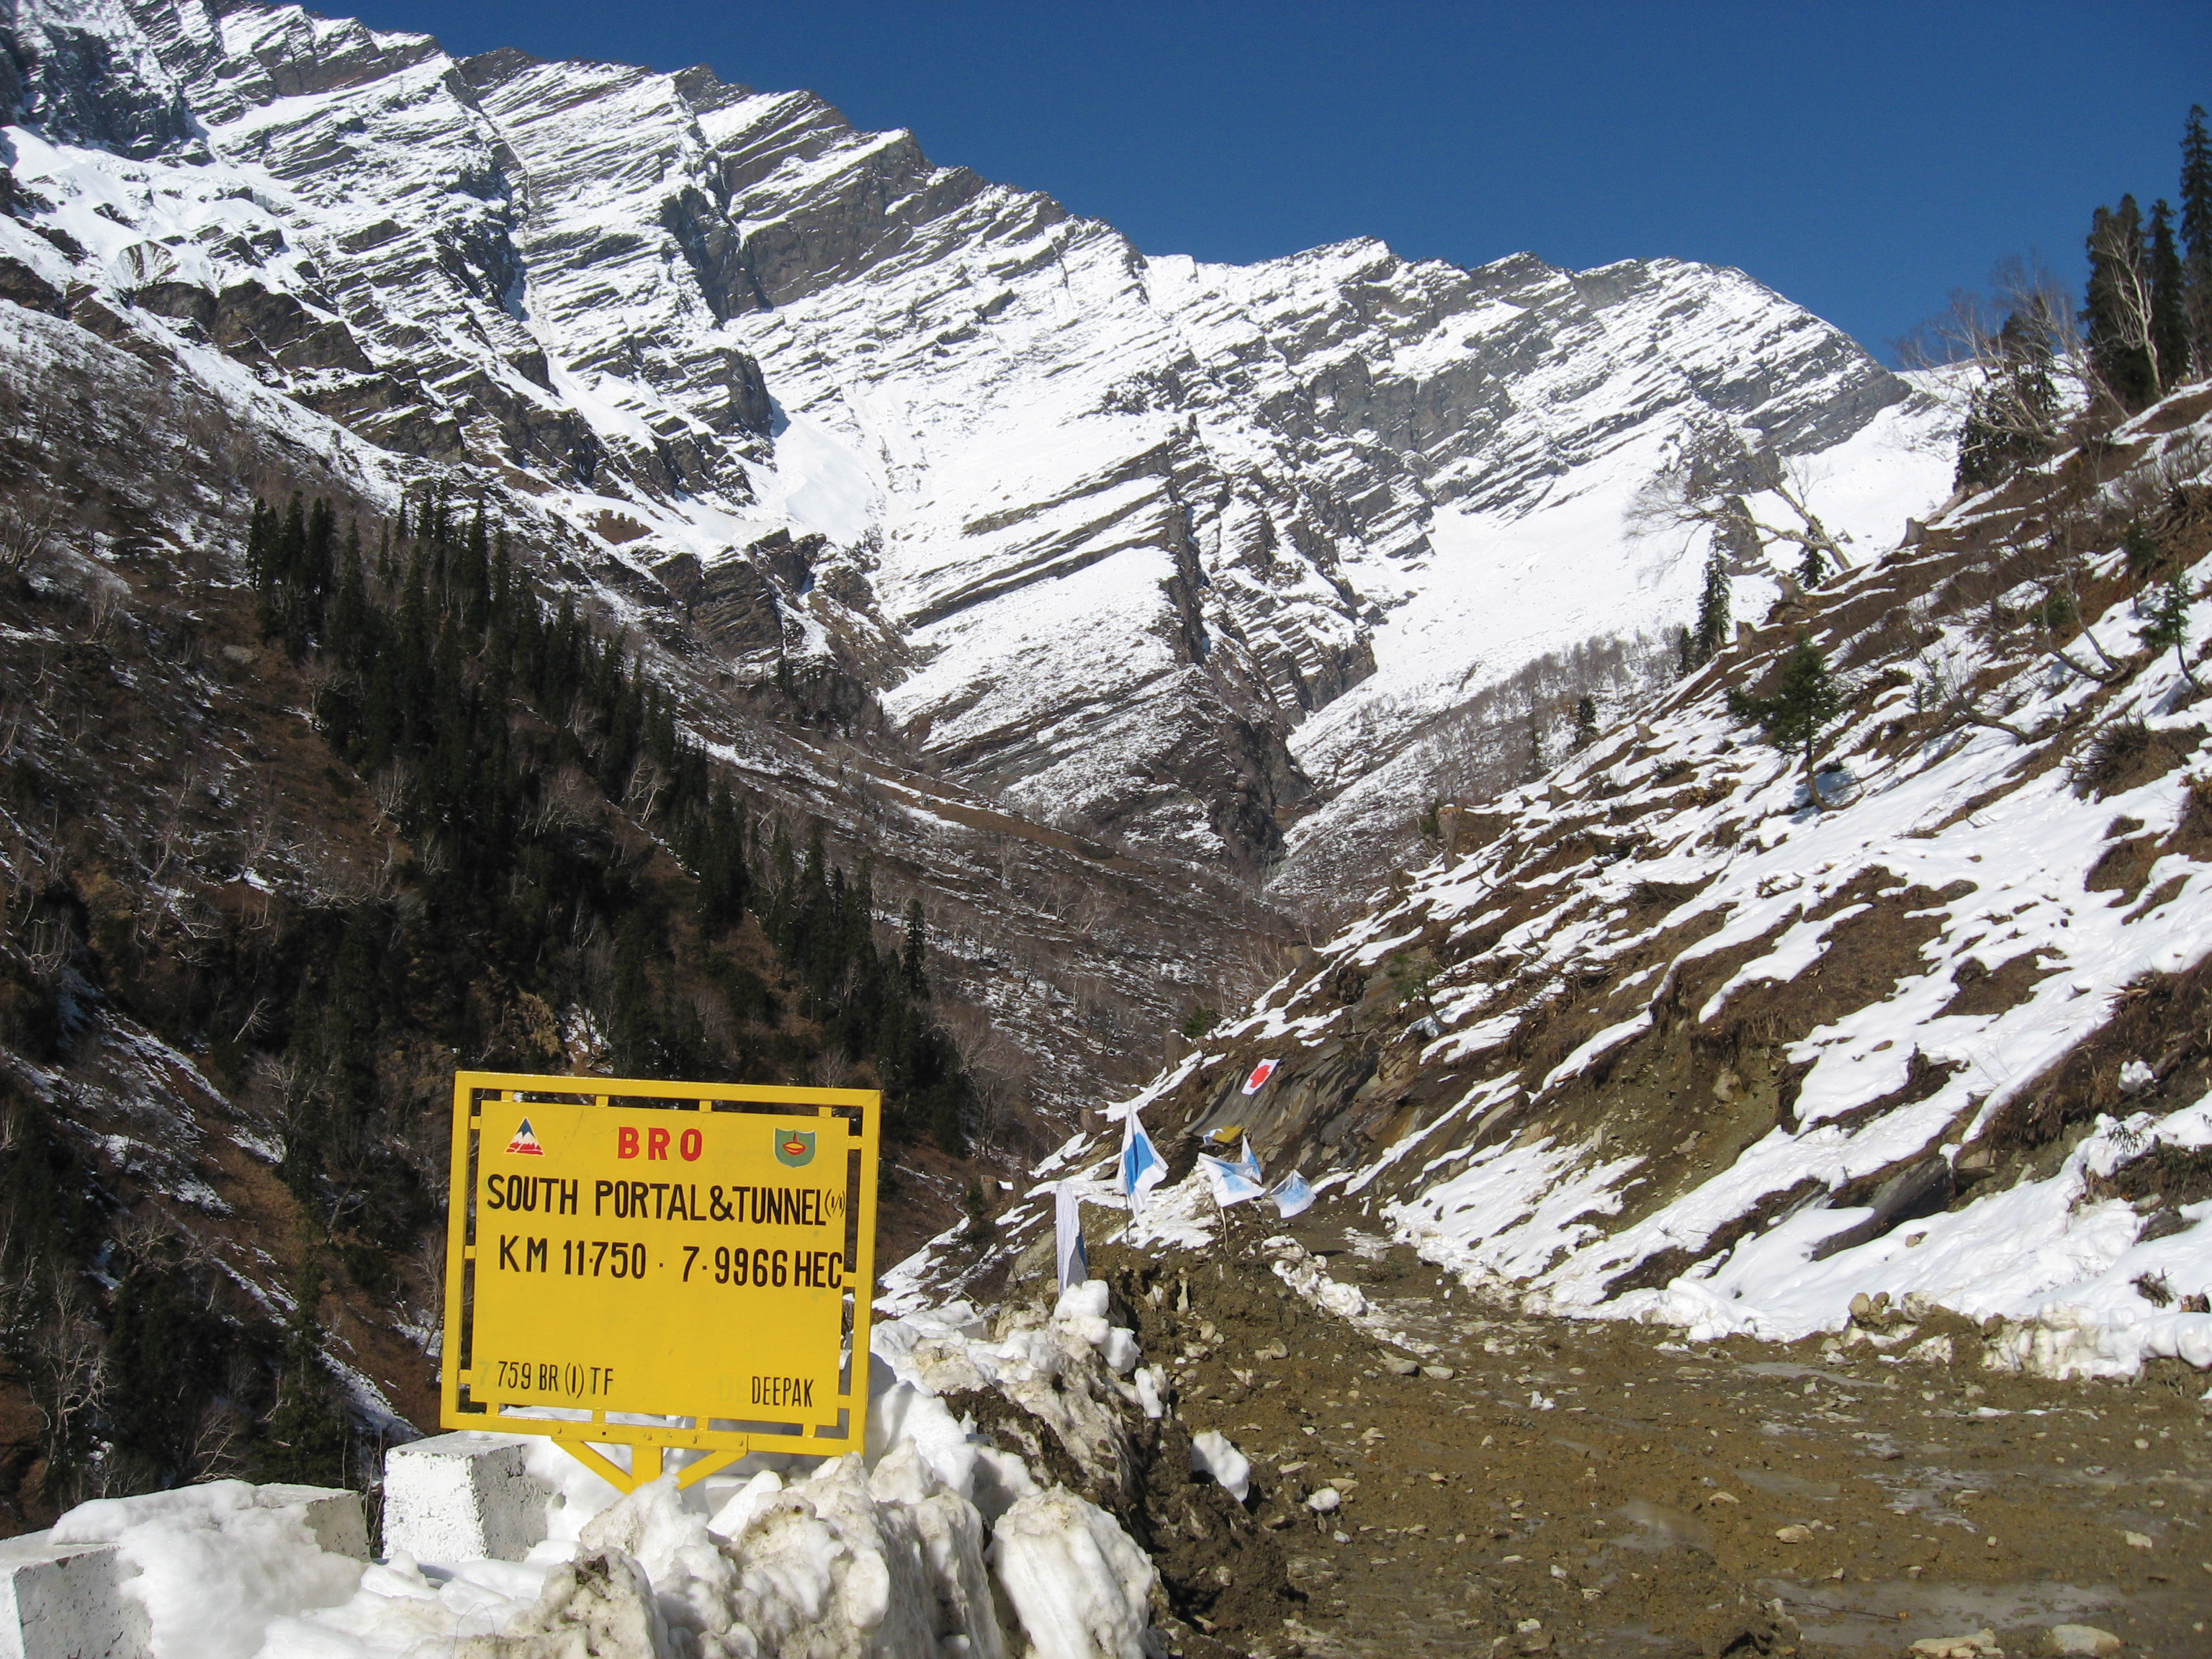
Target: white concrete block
pixel 62 1602
pixel 334 1515
pixel 467 1496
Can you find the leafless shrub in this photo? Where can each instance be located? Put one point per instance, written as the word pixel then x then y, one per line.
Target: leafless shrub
pixel 393 789
pixel 107 599
pixel 280 1099
pixel 565 801
pixel 25 530
pixel 648 782
pixel 2110 757
pixel 69 1368
pixel 221 1441
pixel 1947 689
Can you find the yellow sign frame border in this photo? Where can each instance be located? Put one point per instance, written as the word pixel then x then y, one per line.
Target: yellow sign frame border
pixel 648 1441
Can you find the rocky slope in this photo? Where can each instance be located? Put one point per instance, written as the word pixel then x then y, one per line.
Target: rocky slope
pixel 1103 532
pixel 1661 1036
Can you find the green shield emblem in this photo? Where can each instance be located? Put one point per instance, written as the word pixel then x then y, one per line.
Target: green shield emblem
pixel 794 1147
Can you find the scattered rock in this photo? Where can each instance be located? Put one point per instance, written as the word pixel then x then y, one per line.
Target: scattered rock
pixel 1438 1373
pixel 1325 1501
pixel 1794 1533
pixel 2083 1639
pixel 2138 1541
pixel 1973 1645
pixel 1400 1365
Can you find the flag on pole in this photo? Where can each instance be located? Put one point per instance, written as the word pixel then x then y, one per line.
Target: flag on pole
pixel 1291 1196
pixel 1142 1167
pixel 1247 1164
pixel 1067 1227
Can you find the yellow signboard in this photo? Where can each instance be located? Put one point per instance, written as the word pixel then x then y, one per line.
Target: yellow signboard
pixel 661 1264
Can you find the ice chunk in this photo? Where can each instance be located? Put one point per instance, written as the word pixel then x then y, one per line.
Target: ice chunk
pixel 1077 1582
pixel 1149 1385
pixel 1084 1301
pixel 734 1516
pixel 1212 1454
pixel 1119 1350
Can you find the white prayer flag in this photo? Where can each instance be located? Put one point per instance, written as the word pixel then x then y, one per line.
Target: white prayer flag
pixel 1229 1181
pixel 1292 1196
pixel 1067 1227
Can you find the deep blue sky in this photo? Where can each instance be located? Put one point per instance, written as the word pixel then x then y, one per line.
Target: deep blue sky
pixel 1864 159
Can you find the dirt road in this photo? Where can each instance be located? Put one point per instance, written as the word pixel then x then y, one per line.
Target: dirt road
pixel 1583 1487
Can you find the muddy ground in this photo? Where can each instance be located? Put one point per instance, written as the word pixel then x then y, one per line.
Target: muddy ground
pixel 1588 1487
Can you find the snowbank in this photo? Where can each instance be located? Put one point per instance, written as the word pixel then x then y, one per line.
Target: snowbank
pixel 931 1543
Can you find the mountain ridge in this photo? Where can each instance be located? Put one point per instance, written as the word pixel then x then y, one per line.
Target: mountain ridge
pixel 718 313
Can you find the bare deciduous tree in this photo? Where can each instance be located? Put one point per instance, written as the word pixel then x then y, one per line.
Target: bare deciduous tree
pixel 1708 484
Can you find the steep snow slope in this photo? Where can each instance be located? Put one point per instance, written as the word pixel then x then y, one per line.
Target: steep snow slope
pixel 1661 1039
pixel 1103 530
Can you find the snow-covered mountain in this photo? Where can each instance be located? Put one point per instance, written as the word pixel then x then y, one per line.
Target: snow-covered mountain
pixel 1139 544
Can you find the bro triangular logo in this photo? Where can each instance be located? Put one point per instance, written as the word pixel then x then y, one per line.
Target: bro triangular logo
pixel 526 1142
pixel 794 1147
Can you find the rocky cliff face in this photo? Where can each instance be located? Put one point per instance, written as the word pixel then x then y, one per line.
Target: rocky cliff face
pixel 1103 533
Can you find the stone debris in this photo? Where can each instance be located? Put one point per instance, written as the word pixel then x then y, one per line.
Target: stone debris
pixel 2083 1639
pixel 1977 1645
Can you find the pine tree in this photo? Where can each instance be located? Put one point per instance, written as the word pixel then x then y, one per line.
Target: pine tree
pixel 2116 314
pixel 1711 631
pixel 2166 623
pixel 2196 234
pixel 2012 418
pixel 912 970
pixel 163 1358
pixel 2142 549
pixel 2169 301
pixel 1803 705
pixel 305 1439
pixel 1585 720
